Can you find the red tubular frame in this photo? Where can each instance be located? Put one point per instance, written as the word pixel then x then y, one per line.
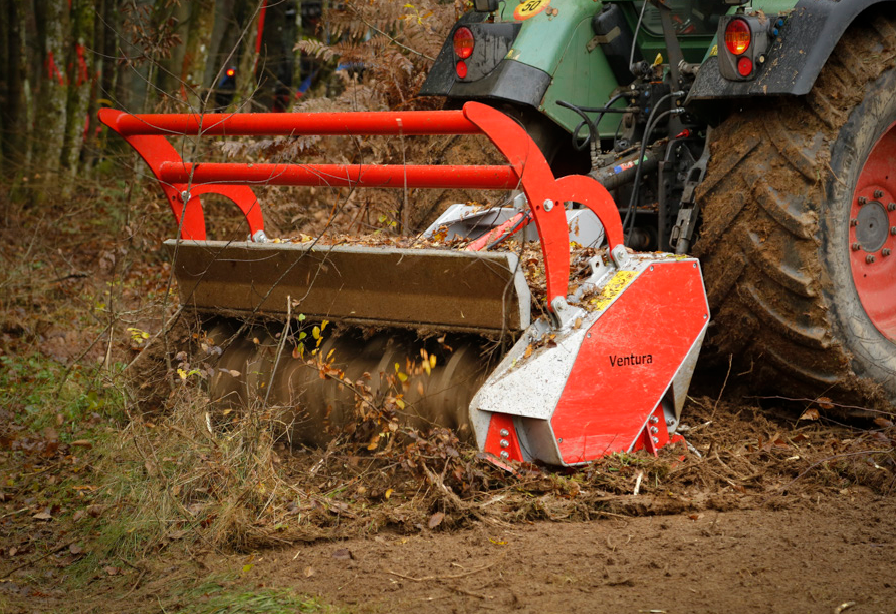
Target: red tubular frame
pixel 527 168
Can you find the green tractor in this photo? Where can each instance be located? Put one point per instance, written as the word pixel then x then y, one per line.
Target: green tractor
pixel 760 136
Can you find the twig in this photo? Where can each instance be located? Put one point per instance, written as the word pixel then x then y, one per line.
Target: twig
pixel 279 350
pixel 821 462
pixel 825 402
pixel 35 560
pixel 378 31
pixel 722 391
pixel 450 577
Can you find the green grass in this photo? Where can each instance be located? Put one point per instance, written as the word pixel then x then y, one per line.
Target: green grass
pixel 39 390
pixel 216 598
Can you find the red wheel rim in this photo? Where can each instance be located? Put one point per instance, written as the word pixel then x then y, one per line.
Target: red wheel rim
pixel 872 235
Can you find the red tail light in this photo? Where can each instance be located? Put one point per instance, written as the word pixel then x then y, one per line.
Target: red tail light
pixel 744 66
pixel 463 43
pixel 737 36
pixel 461 69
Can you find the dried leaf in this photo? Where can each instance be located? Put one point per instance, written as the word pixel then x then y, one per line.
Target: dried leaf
pixel 308 571
pixel 42 516
pixel 112 570
pixel 435 520
pixel 810 414
pixel 825 403
pixel 83 443
pixel 75 549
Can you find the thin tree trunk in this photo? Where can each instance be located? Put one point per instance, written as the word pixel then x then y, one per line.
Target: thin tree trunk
pixel 199 38
pixel 79 79
pixel 246 82
pixel 49 130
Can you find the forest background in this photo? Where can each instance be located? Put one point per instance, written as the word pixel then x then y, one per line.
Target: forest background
pixel 115 484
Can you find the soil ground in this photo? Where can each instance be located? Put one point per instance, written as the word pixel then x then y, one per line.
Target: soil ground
pixel 830 554
pixel 814 556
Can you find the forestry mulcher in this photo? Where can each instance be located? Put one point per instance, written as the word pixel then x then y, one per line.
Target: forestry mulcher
pixel 759 137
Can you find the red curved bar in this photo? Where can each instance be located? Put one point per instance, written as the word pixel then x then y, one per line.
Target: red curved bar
pixel 527 169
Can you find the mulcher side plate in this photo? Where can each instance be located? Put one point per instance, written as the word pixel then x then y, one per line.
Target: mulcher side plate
pixel 379 286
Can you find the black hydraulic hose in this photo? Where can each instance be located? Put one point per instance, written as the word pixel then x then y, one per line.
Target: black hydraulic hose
pixel 629 221
pixel 592 126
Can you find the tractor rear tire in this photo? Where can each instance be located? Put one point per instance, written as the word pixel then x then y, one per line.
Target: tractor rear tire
pixel 797 231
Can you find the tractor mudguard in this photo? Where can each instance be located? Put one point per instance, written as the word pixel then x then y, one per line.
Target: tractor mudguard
pixel 795 57
pixel 529 59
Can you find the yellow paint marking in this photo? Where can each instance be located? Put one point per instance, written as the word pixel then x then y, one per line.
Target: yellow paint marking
pixel 613 289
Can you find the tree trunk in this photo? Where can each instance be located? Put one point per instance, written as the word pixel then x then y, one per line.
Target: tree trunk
pixel 51 94
pixel 199 38
pixel 79 80
pixel 246 82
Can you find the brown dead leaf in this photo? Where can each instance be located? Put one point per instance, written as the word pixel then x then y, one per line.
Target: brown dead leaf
pixel 825 403
pixel 343 554
pixel 111 570
pixel 42 516
pixel 13 550
pixel 810 414
pixel 435 520
pixel 95 510
pixel 78 515
pixel 308 571
pixel 75 549
pixel 82 443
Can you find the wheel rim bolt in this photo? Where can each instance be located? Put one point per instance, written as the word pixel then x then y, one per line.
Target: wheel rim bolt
pixel 893 230
pixel 878 193
pixel 885 251
pixel 853 222
pixel 869 259
pixel 891 207
pixel 856 247
pixel 862 200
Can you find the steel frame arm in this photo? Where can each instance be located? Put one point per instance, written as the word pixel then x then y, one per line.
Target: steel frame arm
pixel 183 182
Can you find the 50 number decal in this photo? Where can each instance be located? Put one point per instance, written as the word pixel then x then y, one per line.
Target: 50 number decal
pixel 530 8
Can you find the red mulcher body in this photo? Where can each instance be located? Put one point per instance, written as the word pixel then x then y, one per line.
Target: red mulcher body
pixel 606 371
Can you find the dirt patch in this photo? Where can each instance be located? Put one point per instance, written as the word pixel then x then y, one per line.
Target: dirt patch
pixel 813 556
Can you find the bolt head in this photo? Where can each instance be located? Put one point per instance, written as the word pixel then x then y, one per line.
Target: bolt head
pixel 863 201
pixel 670 422
pixel 878 193
pixel 854 222
pixel 504 454
pixel 505 443
pixel 856 247
pixel 654 430
pixel 504 432
pixel 869 259
pixel 653 420
pixel 655 439
pixel 548 204
pixel 891 207
pixel 893 230
pixel 885 251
